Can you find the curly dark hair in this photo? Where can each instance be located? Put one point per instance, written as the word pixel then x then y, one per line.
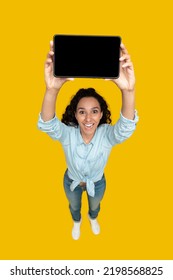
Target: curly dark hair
pixel 68 117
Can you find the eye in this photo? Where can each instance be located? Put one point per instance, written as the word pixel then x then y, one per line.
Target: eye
pixel 81 112
pixel 95 111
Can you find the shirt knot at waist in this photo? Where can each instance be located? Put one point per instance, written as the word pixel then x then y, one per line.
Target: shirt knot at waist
pixel 90 187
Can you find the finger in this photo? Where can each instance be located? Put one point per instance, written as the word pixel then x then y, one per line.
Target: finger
pixel 48 62
pixel 127 64
pixel 51 45
pixel 70 79
pixel 67 79
pixel 123 49
pixel 125 57
pixel 50 54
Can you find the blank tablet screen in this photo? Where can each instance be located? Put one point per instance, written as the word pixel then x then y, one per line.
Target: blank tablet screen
pixel 86 56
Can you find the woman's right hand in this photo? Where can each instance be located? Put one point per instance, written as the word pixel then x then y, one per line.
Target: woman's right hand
pixel 51 81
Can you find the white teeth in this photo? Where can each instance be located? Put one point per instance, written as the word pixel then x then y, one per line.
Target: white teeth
pixel 88 125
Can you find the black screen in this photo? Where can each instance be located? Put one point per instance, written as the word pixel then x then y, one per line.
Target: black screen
pixel 86 56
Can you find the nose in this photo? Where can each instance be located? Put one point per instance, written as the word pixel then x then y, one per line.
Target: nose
pixel 88 117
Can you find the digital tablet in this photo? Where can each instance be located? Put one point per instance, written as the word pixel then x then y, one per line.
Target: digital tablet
pixel 86 56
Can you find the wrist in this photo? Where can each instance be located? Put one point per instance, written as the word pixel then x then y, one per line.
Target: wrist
pixel 128 91
pixel 52 91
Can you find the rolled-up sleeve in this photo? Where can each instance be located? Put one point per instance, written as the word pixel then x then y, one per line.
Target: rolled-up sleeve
pixel 54 128
pixel 123 129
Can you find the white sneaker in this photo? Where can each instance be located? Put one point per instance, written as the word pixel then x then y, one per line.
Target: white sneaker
pixel 94 225
pixel 76 230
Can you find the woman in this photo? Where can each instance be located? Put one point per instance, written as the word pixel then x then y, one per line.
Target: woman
pixel 87 135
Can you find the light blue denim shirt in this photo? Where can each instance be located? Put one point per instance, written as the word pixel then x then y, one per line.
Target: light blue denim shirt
pixel 86 162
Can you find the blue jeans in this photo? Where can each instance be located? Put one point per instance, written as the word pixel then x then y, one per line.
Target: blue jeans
pixel 75 198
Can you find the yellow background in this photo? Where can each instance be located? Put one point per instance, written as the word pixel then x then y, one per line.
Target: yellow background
pixel 137 210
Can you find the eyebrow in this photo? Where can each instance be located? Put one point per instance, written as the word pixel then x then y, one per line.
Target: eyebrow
pixel 85 108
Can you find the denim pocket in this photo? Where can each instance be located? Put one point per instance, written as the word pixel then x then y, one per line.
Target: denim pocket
pixel 67 180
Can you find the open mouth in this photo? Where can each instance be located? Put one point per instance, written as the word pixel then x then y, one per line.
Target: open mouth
pixel 89 125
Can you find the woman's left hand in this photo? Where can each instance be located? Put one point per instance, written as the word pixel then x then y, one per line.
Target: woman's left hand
pixel 126 79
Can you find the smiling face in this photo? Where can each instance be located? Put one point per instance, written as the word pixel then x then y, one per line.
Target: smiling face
pixel 88 114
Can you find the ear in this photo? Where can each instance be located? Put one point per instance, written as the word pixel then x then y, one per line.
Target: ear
pixel 101 115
